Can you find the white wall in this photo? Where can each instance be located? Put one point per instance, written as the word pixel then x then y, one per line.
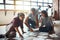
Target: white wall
pixel 6 19
pixel 9 16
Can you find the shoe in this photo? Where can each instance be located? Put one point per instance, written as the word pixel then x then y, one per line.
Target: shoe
pixel 24 32
pixel 53 35
pixel 2 36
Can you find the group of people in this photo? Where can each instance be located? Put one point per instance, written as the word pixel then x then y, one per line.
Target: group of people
pixel 31 21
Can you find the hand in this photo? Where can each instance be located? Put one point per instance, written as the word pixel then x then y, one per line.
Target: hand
pixel 31 30
pixel 24 32
pixel 21 36
pixel 43 25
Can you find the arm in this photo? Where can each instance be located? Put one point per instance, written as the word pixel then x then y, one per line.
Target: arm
pixel 16 28
pixel 51 21
pixel 21 26
pixel 52 25
pixel 37 22
pixel 26 22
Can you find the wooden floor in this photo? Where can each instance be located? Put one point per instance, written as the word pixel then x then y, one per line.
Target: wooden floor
pixel 36 35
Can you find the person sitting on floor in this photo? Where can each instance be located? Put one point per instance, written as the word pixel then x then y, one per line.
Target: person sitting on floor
pixel 32 19
pixel 46 23
pixel 17 22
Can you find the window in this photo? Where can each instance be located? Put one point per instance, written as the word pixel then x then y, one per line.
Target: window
pixel 34 3
pixel 42 8
pixel 40 4
pixel 1 6
pixel 27 0
pixel 19 2
pixel 40 0
pixel 45 0
pixel 9 1
pixel 19 7
pixel 34 7
pixel 26 7
pixel 26 3
pixel 45 8
pixel 45 4
pixel 1 1
pixel 50 1
pixel 10 7
pixel 50 4
pixel 34 0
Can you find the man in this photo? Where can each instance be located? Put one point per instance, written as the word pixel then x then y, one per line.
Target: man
pixel 32 19
pixel 17 22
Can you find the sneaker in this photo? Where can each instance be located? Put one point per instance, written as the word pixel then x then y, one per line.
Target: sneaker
pixel 53 35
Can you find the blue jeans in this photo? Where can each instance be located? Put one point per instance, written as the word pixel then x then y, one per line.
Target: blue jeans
pixel 31 23
pixel 45 29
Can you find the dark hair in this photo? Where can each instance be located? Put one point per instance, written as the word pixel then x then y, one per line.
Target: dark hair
pixel 32 9
pixel 45 13
pixel 20 14
pixel 49 6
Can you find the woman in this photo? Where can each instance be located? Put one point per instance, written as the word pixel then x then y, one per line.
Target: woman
pixel 46 23
pixel 17 22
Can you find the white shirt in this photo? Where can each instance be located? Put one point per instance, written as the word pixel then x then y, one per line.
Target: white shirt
pixel 49 11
